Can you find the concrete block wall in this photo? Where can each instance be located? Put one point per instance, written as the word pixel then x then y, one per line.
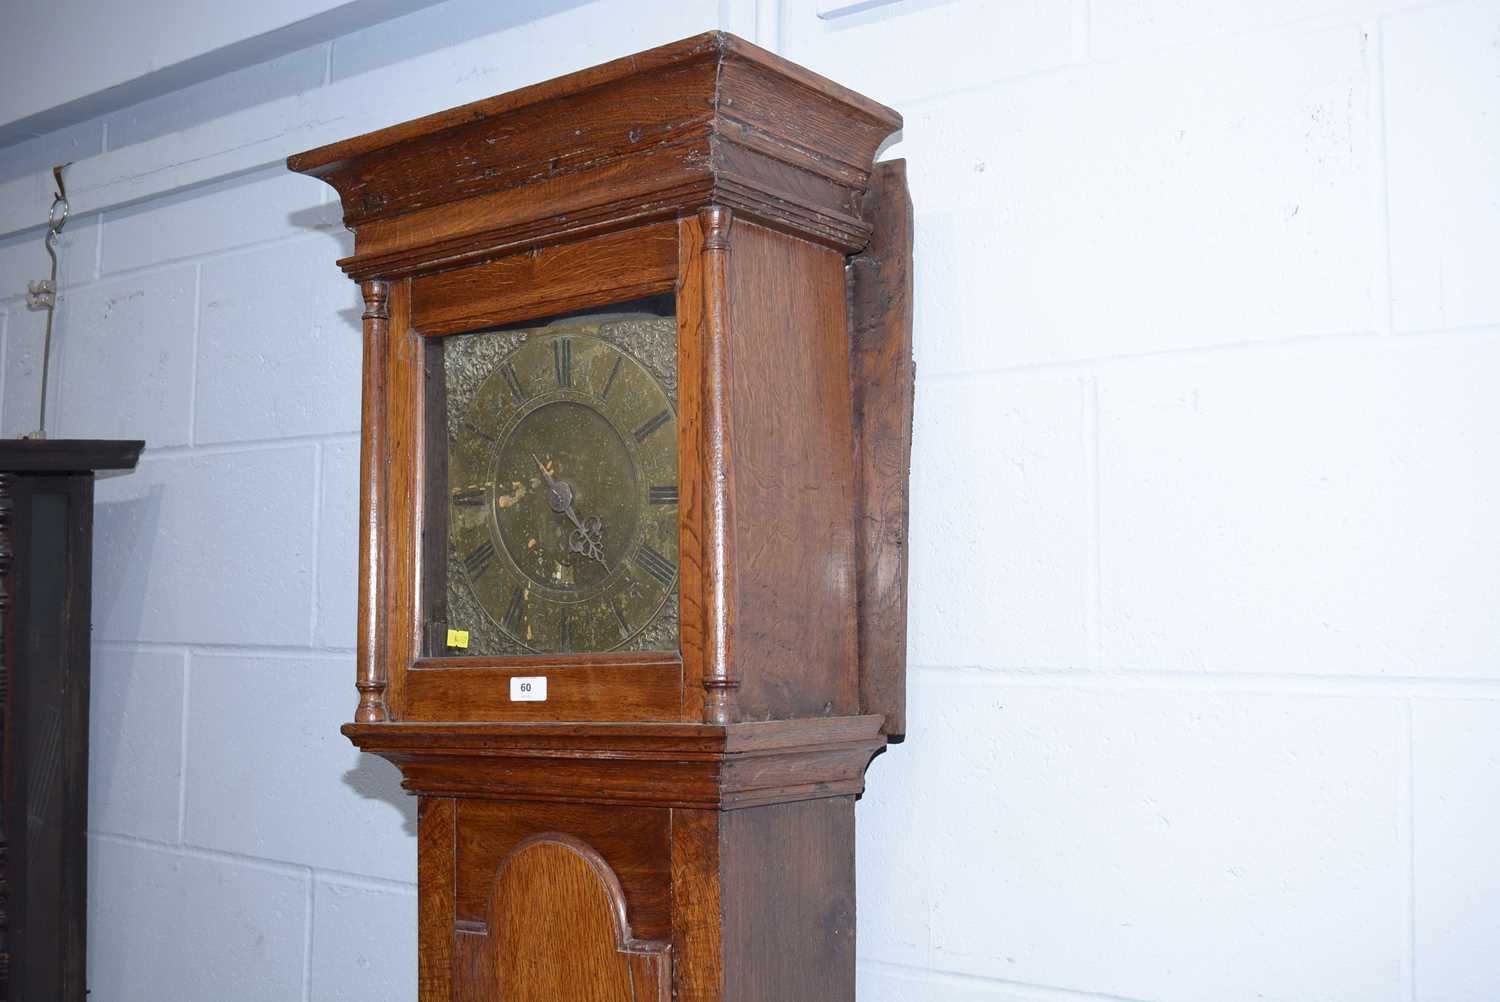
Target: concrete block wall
pixel 1206 674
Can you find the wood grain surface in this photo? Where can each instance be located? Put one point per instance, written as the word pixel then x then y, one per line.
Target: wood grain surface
pixel 710 120
pixel 403 447
pixel 370 678
pixel 755 897
pixel 791 559
pixel 883 376
pixel 559 930
pixel 715 477
pixel 788 877
pixel 697 906
pixel 436 880
pixel 648 764
pixel 46 559
pixel 634 841
pixel 544 281
pixel 630 687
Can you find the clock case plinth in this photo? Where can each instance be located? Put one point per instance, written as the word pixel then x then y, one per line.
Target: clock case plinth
pixel 686 819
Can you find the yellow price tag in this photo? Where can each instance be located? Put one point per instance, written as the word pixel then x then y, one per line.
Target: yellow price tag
pixel 458 638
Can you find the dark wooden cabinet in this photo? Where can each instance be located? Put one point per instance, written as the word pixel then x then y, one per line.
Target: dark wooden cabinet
pixel 46 541
pixel 609 810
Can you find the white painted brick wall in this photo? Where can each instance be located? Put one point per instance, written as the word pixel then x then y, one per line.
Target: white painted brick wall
pixel 135 745
pixel 1168 845
pixel 365 941
pixel 208 548
pixel 1205 699
pixel 180 923
pixel 285 767
pixel 278 366
pixel 1443 95
pixel 1357 498
pixel 1456 801
pixel 1000 484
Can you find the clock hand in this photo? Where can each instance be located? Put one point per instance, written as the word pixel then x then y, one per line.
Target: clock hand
pixel 559 494
pixel 545 475
pixel 585 538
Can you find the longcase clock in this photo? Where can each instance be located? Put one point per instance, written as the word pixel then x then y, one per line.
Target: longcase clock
pixel 636 431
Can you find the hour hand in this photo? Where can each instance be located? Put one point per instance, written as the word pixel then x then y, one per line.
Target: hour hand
pixel 543 467
pixel 559 492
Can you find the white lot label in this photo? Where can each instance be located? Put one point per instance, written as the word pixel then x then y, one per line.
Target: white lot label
pixel 529 690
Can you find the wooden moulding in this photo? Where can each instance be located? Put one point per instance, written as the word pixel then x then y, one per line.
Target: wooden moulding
pixel 883 375
pixel 705 766
pixel 720 679
pixel 710 120
pixel 69 455
pixel 370 678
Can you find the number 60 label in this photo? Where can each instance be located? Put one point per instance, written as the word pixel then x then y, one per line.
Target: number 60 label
pixel 528 690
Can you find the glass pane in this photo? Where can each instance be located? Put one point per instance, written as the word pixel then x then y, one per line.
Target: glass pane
pixel 561 485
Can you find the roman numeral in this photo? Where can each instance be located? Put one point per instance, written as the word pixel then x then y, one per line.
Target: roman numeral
pixel 470 496
pixel 663 495
pixel 645 430
pixel 655 564
pixel 513 611
pixel 614 605
pixel 513 381
pixel 613 372
pixel 476 562
pixel 562 361
pixel 564 630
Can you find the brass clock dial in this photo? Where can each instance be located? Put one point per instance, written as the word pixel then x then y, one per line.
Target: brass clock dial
pixel 562 486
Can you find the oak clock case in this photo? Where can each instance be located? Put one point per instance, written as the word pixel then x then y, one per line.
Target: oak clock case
pixel 637 395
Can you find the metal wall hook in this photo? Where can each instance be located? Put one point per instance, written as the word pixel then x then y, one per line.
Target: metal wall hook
pixel 57 216
pixel 42 295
